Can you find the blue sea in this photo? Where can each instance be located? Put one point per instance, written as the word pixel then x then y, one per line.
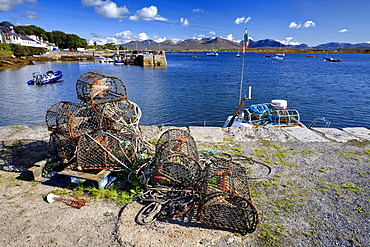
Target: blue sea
pixel 195 89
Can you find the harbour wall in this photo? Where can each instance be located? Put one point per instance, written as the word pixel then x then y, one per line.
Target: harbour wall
pixel 214 134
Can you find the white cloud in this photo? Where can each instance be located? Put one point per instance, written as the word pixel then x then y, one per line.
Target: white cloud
pixel 93 3
pixel 184 22
pixel 158 39
pixel 147 14
pixel 344 30
pixel 230 37
pixel 103 41
pixel 212 33
pixel 288 41
pixel 293 25
pixel 198 11
pixel 242 19
pixel 307 24
pixel 32 15
pixel 125 35
pixel 110 10
pixel 6 5
pixel 142 36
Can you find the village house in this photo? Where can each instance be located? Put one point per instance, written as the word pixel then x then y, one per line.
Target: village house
pixel 9 36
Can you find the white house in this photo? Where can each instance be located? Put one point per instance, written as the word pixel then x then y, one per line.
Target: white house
pixel 7 35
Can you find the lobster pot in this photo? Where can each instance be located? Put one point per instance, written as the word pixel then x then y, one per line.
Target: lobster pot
pixel 72 120
pixel 122 111
pixel 225 176
pixel 94 87
pixel 180 169
pixel 176 141
pixel 285 117
pixel 104 150
pixel 62 147
pixel 230 212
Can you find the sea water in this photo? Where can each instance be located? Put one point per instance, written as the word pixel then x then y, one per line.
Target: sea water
pixel 195 89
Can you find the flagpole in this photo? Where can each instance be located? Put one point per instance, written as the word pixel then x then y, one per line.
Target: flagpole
pixel 245 45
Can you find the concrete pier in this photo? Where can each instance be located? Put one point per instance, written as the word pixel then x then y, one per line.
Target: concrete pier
pixel 152 59
pixel 215 134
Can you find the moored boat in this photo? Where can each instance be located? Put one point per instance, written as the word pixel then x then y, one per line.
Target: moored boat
pixel 38 78
pixel 274 114
pixel 330 59
pixel 118 60
pixel 214 54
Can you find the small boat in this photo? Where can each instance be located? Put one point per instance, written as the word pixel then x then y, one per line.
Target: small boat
pixel 278 58
pixel 130 59
pixel 310 55
pixel 118 60
pixel 274 114
pixel 39 78
pixel 330 59
pixel 214 54
pixel 280 54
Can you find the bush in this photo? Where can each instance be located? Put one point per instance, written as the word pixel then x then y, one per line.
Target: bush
pixel 5 50
pixel 20 50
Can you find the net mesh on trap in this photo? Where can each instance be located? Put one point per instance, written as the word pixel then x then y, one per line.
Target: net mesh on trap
pixel 180 169
pixel 176 158
pixel 176 141
pixel 94 87
pixel 104 150
pixel 72 120
pixel 62 147
pixel 229 212
pixel 122 111
pixel 225 176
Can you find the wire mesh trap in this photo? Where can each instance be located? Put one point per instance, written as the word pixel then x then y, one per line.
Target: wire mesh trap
pixel 180 182
pixel 122 112
pixel 104 150
pixel 227 177
pixel 62 147
pixel 72 120
pixel 177 168
pixel 176 141
pixel 228 212
pixel 94 87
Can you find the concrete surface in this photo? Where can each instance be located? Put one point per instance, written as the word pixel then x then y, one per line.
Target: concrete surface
pixel 214 134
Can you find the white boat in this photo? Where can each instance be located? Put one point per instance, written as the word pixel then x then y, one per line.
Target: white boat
pixel 119 60
pixel 215 54
pixel 274 114
pixel 278 58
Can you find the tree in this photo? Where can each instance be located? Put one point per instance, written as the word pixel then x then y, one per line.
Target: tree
pixel 31 30
pixel 109 46
pixel 6 24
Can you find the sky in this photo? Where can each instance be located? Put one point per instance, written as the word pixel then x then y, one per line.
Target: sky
pixel 294 22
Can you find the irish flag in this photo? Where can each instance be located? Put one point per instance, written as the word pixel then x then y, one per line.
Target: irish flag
pixel 246 41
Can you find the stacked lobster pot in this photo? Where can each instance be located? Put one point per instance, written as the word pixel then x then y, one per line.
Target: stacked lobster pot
pixel 179 181
pixel 226 201
pixel 100 133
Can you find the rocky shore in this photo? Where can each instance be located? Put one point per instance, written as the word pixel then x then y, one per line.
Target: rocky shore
pixel 316 195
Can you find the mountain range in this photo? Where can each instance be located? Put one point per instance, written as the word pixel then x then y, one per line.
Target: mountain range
pixel 224 44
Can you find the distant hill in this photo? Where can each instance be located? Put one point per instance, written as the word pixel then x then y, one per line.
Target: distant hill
pixel 224 44
pixel 336 45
